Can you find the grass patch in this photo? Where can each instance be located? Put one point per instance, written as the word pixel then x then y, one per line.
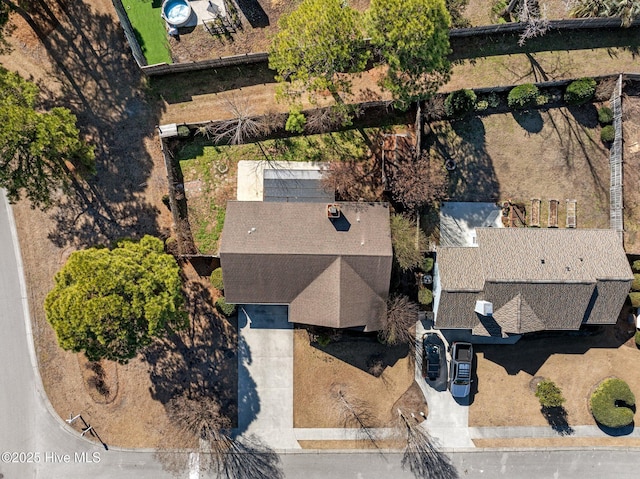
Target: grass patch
pixel 149 29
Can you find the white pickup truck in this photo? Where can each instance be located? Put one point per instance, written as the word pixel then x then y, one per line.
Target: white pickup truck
pixel 460 373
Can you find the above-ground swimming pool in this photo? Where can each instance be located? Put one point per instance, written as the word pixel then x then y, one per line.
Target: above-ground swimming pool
pixel 176 12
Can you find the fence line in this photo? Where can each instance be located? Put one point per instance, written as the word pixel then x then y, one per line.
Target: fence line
pixel 263 57
pixel 516 27
pixel 128 32
pixel 615 162
pixel 233 60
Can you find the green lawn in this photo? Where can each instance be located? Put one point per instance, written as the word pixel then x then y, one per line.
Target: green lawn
pixel 149 28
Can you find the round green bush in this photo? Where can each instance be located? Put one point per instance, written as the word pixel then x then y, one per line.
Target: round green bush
pixel 580 91
pixel 611 402
pixel 635 285
pixel 225 308
pixel 605 115
pixel 637 338
pixel 523 96
pixel 607 134
pixel 425 296
pixel 549 394
pixel 635 266
pixel 635 299
pixel 427 264
pixel 216 279
pixel 460 102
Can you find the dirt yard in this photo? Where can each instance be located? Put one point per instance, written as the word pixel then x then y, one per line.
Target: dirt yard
pixel 348 365
pixel 631 172
pixel 504 391
pixel 554 154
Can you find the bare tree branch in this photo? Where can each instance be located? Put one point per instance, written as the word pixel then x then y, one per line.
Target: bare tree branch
pixel 535 18
pixel 354 412
pixel 401 317
pixel 421 455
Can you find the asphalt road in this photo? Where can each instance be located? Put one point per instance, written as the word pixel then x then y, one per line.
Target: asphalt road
pixel 35 444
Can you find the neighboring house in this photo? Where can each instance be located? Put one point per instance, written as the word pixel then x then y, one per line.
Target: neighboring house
pixel 330 271
pixel 520 280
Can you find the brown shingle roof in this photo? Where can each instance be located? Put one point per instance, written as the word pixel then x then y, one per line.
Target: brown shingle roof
pixel 536 279
pixel 330 274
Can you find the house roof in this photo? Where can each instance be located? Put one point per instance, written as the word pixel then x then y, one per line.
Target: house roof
pixel 332 273
pixel 536 279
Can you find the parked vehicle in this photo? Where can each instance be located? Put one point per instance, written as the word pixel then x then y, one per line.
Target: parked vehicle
pixel 431 354
pixel 460 372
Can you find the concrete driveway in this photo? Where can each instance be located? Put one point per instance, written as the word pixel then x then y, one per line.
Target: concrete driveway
pixel 448 418
pixel 265 375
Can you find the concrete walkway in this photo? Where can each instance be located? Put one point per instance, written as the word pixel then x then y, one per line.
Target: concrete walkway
pixel 265 375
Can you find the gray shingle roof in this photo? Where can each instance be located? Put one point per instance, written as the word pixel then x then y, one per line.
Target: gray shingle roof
pixel 537 279
pixel 330 274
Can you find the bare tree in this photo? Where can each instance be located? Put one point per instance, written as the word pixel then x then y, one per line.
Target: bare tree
pixel 354 180
pixel 243 124
pixel 353 411
pixel 401 317
pixel 421 455
pixel 200 420
pixel 535 19
pixel 417 182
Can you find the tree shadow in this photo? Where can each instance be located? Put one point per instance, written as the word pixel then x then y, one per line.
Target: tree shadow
pixel 534 349
pixel 530 120
pixel 462 144
pixel 254 13
pixel 97 79
pixel 200 361
pixel 364 352
pixel 182 87
pixel 617 431
pixel 248 400
pixel 251 458
pixel 586 115
pixel 575 141
pixel 557 419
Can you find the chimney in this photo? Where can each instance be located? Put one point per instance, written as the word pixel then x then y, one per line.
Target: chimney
pixel 333 211
pixel 484 308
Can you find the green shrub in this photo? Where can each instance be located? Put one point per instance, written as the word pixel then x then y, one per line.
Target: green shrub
pixel 427 264
pixel 493 99
pixel 225 308
pixel 523 96
pixel 635 285
pixel 580 91
pixel 605 115
pixel 608 403
pixel 323 340
pixel 482 105
pixel 607 134
pixel 636 266
pixel 425 296
pixel 216 279
pixel 460 102
pixel 549 394
pixel 635 299
pixel 637 339
pixel 183 131
pixel 296 121
pixel 542 100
